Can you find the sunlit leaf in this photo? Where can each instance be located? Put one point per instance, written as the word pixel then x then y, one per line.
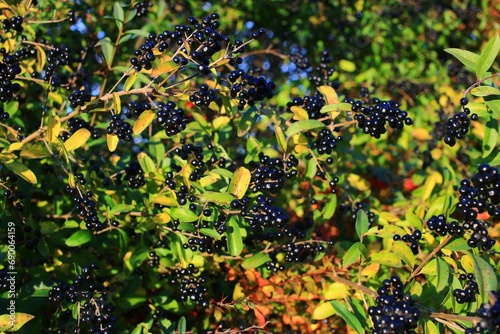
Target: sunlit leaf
pixel 488 56
pixel 8 324
pixel 240 182
pixel 22 170
pixel 143 121
pixel 256 260
pixel 112 141
pixel 78 238
pixel 77 139
pixel 234 239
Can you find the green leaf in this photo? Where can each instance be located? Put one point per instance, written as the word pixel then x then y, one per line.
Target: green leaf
pixel 78 238
pixel 387 258
pixel 485 91
pixel 211 233
pixel 330 207
pixel 181 326
pixel 247 121
pixel 469 59
pixel 183 214
pixel 107 48
pixel 256 260
pixel 362 223
pixel 43 248
pixel 216 197
pixel 338 107
pixel 118 14
pixel 35 151
pixel 202 121
pixel 303 126
pixel 431 328
pixel 488 56
pixel 138 32
pixel 493 102
pixel 490 136
pixel 348 316
pixel 147 164
pixel 443 273
pixel 14 323
pixel 485 277
pixel 353 254
pixel 402 250
pixel 234 239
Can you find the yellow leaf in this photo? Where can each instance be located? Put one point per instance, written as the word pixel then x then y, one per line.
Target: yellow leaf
pixel 220 121
pixel 329 94
pixel 337 291
pixel 323 311
pixel 117 103
pixel 240 182
pixel 143 121
pixel 15 147
pixel 56 97
pixel 371 270
pixel 112 141
pixel 301 149
pixel 130 81
pixel 299 113
pixel 421 134
pixel 164 200
pixel 77 139
pixel 53 128
pixel 162 218
pixel 22 170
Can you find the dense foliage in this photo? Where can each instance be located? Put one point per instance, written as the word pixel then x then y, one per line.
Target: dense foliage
pixel 249 167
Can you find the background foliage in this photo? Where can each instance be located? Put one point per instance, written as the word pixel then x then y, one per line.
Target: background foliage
pixel 198 227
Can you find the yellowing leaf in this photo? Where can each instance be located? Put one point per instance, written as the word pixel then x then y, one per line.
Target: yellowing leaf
pixel 117 103
pixel 240 182
pixel 130 81
pixel 77 139
pixel 112 141
pixel 22 170
pixel 165 65
pixel 329 94
pixel 13 323
pixel 358 182
pixel 35 151
pixel 431 182
pixel 323 311
pixel 53 128
pixel 371 270
pixel 143 121
pixel 337 291
pixel 164 200
pixel 162 218
pixel 15 146
pixel 220 121
pixel 280 137
pixel 299 113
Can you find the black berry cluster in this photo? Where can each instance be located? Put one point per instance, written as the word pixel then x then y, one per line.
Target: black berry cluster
pixel 72 16
pixel 373 118
pixel 86 206
pixel 300 60
pixel 457 126
pixel 263 214
pixel 480 195
pixel 204 96
pixel 172 118
pixel 300 251
pixel 9 68
pixel 269 174
pixel 490 316
pixel 57 56
pixel 135 108
pixel 79 98
pixel 120 128
pixel 479 234
pixel 468 294
pixel 410 239
pixel 94 310
pixel 193 289
pixel 395 311
pixel 3 115
pixel 134 175
pixel 75 124
pixel 142 8
pixel 440 225
pixel 14 23
pixel 326 142
pixel 248 89
pixel 352 210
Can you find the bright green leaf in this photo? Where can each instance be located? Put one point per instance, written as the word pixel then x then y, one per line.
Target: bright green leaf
pixel 256 260
pixel 488 56
pixel 78 238
pixel 234 239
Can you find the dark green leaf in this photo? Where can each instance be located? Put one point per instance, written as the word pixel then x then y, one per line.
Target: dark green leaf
pixel 485 276
pixel 181 326
pixel 348 316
